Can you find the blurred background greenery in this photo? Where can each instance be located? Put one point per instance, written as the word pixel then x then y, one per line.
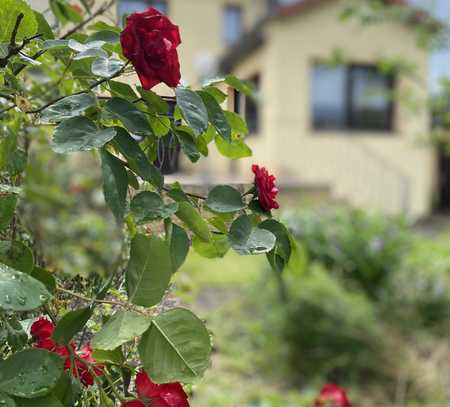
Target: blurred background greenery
pixel 366 304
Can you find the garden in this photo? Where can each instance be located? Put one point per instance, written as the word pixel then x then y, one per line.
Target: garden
pixel 119 289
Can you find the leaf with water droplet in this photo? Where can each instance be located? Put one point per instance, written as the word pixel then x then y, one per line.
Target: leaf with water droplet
pixel 19 291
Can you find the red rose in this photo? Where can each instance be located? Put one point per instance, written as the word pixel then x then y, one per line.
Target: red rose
pixel 150 42
pixel 161 395
pixel 334 395
pixel 77 9
pixel 266 189
pixel 42 329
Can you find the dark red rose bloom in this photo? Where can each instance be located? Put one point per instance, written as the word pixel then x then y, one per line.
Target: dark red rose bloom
pixel 42 329
pixel 150 42
pixel 266 188
pixel 332 394
pixel 161 395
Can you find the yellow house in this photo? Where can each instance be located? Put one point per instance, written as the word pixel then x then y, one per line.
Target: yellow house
pixel 314 124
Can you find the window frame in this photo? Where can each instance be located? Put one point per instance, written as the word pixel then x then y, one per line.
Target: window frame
pixel 240 104
pixel 150 3
pixel 350 107
pixel 240 9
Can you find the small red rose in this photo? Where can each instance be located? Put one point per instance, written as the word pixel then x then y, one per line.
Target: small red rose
pixel 333 395
pixel 42 331
pixel 161 395
pixel 150 42
pixel 266 188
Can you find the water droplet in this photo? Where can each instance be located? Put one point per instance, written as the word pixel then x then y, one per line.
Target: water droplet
pixel 44 368
pixel 43 297
pixel 22 300
pixel 7 299
pixel 14 277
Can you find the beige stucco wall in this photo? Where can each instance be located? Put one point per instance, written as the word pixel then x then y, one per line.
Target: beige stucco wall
pixel 395 172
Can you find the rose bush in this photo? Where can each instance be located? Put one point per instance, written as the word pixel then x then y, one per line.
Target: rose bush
pixel 65 343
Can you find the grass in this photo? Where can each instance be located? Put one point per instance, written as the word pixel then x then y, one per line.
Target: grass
pixel 237 297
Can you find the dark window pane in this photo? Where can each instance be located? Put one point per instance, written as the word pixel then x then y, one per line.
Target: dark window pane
pixel 329 97
pixel 127 7
pixel 371 101
pixel 252 108
pixel 232 24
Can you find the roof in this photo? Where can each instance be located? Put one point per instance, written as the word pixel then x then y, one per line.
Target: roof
pixel 254 39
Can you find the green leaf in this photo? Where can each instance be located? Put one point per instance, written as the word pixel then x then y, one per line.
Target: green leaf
pixel 235 150
pixel 123 327
pixel 193 109
pixel 131 117
pixel 123 90
pixel 192 219
pixel 9 11
pixel 154 102
pixel 108 36
pixel 216 93
pixel 115 185
pixel 45 277
pixel 115 356
pixel 136 158
pixel 225 199
pixel 17 338
pixel 241 86
pixel 217 247
pixel 149 206
pixel 216 115
pixel 80 134
pixel 149 270
pixel 67 390
pixel 247 239
pixel 31 373
pixel 279 256
pixel 64 12
pixel 70 324
pixel 43 28
pixel 160 125
pixel 16 255
pixel 176 347
pixel 19 291
pixel 179 246
pixel 188 145
pixel 236 123
pixel 68 107
pixel 7 209
pixel 17 163
pixel 106 67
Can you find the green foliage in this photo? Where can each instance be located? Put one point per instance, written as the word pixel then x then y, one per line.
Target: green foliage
pixel 367 249
pixel 19 291
pixel 7 209
pixel 224 199
pixel 193 109
pixel 176 347
pixel 31 373
pixel 9 13
pixel 149 270
pixel 247 239
pixel 71 324
pixel 149 206
pixel 123 327
pixel 69 107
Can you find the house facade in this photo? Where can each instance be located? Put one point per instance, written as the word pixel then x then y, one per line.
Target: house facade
pixel 325 115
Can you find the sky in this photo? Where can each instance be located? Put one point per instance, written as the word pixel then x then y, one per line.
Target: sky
pixel 440 61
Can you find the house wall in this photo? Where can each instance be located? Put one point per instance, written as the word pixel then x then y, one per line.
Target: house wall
pixel 393 172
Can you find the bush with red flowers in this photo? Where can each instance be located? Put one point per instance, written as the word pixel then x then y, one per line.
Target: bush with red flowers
pixel 333 395
pixel 87 341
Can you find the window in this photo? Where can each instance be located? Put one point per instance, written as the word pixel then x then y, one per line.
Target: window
pixel 350 97
pixel 248 107
pixel 127 7
pixel 232 24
